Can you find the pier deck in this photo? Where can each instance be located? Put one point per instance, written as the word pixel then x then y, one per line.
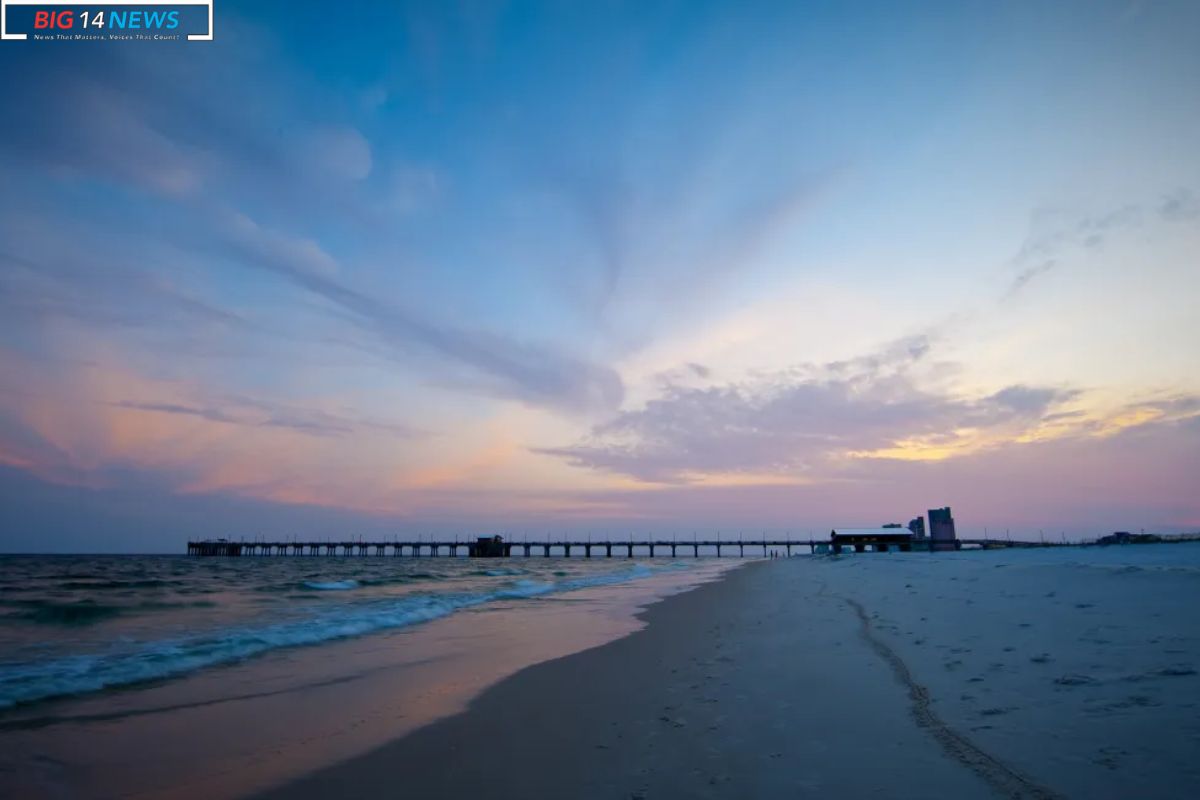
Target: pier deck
pixel 560 548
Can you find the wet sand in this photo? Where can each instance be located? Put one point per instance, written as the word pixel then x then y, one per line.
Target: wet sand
pixel 753 686
pixel 235 730
pixel 965 675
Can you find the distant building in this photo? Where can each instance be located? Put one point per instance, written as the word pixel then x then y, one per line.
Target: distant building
pixel 941 529
pixel 893 525
pixel 489 547
pixel 879 540
pixel 917 526
pixel 1125 537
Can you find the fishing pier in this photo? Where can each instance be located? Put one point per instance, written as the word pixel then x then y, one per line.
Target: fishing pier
pixel 490 548
pixel 496 547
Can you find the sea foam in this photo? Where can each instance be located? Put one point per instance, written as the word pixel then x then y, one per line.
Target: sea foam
pixel 172 657
pixel 332 586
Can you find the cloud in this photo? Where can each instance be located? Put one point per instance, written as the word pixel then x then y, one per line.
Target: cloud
pixel 499 365
pixel 1026 275
pixel 259 414
pixel 285 254
pixel 806 420
pixel 646 244
pixel 603 203
pixel 94 424
pixel 338 151
pixel 1182 205
pixel 1140 477
pixel 147 138
pixel 1053 231
pixel 85 126
pixel 1027 400
pixel 235 121
pixel 1056 234
pixel 140 512
pixel 414 187
pixel 210 414
pixel 59 280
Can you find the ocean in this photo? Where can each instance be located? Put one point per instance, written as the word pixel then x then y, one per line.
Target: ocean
pixel 72 625
pixel 177 677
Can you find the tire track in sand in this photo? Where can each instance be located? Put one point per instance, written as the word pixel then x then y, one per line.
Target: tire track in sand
pixel 995 772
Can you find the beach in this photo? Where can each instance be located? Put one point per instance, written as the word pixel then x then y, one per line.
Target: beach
pixel 167 677
pixel 544 400
pixel 1066 673
pixel 1039 673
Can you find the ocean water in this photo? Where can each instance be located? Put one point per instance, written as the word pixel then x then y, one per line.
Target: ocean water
pixel 72 625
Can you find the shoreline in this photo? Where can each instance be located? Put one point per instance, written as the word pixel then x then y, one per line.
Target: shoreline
pixel 967 675
pixel 691 705
pixel 1036 674
pixel 239 728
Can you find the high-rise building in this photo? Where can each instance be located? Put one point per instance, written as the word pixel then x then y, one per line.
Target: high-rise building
pixel 917 526
pixel 941 529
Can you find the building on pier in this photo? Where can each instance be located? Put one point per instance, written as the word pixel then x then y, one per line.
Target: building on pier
pixel 878 540
pixel 489 547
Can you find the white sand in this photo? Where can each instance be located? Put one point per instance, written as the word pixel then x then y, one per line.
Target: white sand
pixel 1078 667
pixel 1021 674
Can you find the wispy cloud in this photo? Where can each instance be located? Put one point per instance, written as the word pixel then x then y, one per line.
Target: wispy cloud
pixel 528 372
pixel 1029 273
pixel 259 414
pixel 1056 235
pixel 141 139
pixel 339 152
pixel 1181 205
pixel 62 282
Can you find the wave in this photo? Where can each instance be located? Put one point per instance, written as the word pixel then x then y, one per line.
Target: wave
pixel 141 583
pixel 87 612
pixel 332 586
pixel 81 613
pixel 22 683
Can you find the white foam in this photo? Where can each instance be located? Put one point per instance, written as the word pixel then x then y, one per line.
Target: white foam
pixel 70 675
pixel 332 586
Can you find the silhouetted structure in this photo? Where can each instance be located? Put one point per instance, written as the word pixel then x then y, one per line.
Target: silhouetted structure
pixel 880 540
pixel 917 526
pixel 1125 537
pixel 496 546
pixel 883 539
pixel 941 530
pixel 488 547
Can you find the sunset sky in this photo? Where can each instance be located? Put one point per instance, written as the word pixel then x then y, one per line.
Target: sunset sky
pixel 477 267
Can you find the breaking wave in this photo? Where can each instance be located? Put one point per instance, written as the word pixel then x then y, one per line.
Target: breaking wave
pixel 332 586
pixel 167 658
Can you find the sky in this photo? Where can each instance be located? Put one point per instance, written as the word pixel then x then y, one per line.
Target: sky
pixel 591 268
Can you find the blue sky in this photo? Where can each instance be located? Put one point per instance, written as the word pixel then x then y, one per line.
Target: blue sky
pixel 545 266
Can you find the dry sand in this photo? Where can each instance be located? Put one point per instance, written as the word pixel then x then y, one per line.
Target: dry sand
pixel 754 686
pixel 1076 666
pixel 892 676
